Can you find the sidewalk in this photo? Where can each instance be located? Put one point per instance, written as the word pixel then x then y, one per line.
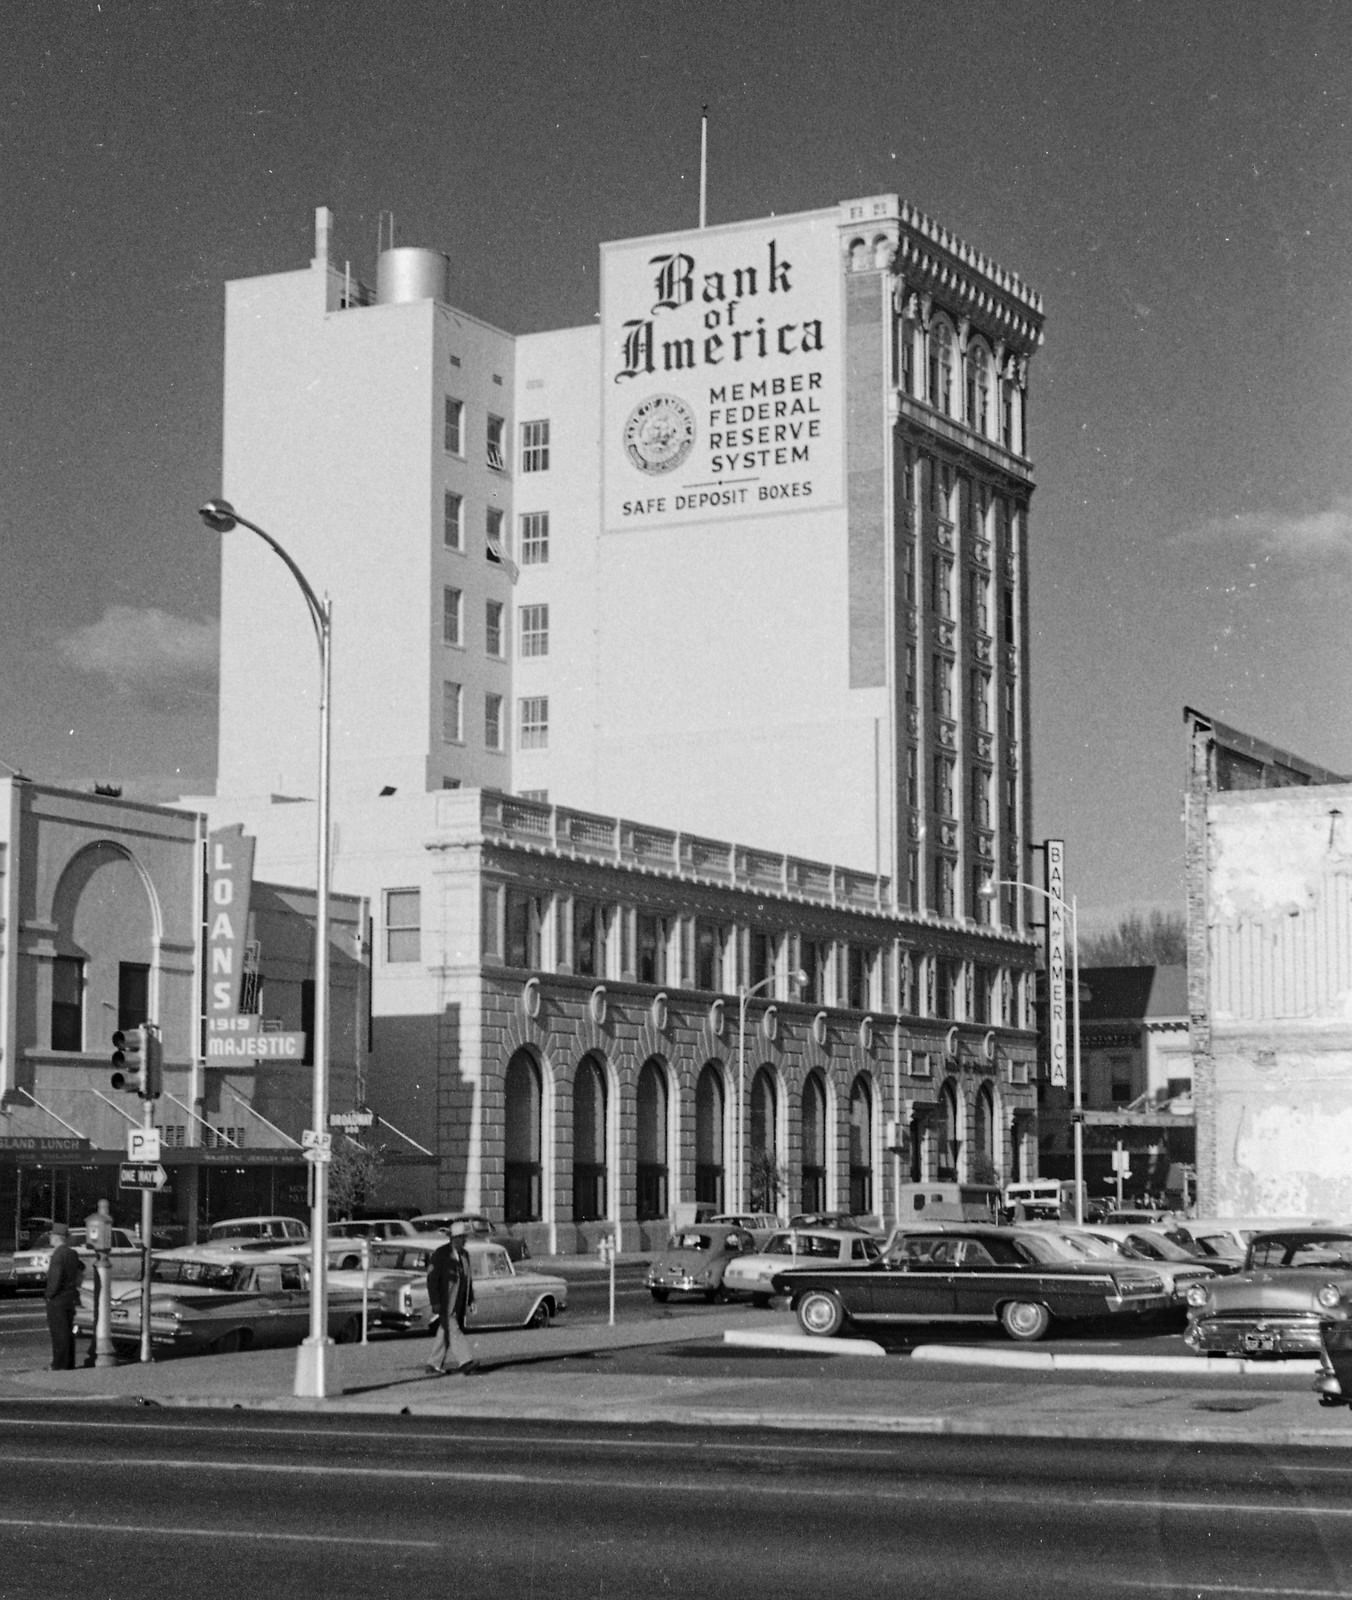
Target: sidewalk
pixel 519 1380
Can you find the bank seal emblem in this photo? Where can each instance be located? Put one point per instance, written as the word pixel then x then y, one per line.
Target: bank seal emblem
pixel 659 434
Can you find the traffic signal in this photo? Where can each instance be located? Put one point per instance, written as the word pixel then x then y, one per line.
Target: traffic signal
pixel 129 1060
pixel 152 1077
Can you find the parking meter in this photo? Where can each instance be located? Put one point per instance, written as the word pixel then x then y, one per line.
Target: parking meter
pixel 99 1237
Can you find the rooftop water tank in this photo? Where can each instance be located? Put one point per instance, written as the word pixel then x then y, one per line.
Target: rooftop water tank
pixel 407 274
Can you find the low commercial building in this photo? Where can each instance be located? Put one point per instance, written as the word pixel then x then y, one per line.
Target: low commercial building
pixel 1269 865
pixel 104 926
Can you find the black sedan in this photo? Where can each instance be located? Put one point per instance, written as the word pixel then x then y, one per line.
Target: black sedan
pixel 972 1274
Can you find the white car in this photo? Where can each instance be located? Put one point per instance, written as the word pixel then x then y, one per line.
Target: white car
pixel 748 1277
pixel 506 1295
pixel 1179 1268
pixel 234 1233
pixel 759 1224
pixel 27 1269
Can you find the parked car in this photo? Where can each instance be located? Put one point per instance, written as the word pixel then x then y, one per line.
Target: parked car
pixel 375 1228
pixel 350 1241
pixel 478 1227
pixel 747 1277
pixel 1228 1238
pixel 506 1295
pixel 1104 1244
pixel 27 1269
pixel 235 1232
pixel 973 1273
pixel 1293 1282
pixel 206 1299
pixel 759 1224
pixel 1143 1243
pixel 839 1219
pixel 695 1259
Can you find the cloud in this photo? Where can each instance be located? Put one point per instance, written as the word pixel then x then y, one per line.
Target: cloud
pixel 1313 537
pixel 146 654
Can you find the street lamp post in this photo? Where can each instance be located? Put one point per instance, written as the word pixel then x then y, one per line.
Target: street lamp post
pixel 316 1362
pixel 798 979
pixel 1077 1099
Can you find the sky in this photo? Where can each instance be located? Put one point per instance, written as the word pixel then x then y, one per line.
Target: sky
pixel 1174 179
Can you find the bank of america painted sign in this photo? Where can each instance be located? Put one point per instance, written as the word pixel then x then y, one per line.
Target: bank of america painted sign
pixel 722 372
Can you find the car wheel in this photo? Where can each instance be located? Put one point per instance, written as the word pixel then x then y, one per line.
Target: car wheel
pixel 350 1263
pixel 349 1331
pixel 710 1295
pixel 227 1344
pixel 820 1314
pixel 539 1318
pixel 1025 1321
pixel 661 1296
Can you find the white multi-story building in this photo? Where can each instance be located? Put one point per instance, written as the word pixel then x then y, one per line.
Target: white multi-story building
pixel 749 558
pixel 746 561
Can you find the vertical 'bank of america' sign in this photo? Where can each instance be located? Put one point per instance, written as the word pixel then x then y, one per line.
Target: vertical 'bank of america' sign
pixel 722 369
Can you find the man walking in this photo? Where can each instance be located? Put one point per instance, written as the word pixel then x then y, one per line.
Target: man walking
pixel 450 1289
pixel 64 1272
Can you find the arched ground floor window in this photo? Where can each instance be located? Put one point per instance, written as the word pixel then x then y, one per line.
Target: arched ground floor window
pixel 521 1122
pixel 651 1187
pixel 861 1147
pixel 589 1141
pixel 710 1115
pixel 812 1193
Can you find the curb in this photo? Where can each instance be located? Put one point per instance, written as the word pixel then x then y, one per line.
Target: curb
pixel 804 1343
pixel 1049 1361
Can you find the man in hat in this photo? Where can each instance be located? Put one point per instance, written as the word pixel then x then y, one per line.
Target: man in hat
pixel 64 1272
pixel 450 1289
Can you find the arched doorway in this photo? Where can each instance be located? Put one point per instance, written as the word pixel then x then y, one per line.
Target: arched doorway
pixel 861 1147
pixel 651 1185
pixel 589 1141
pixel 812 1195
pixel 710 1117
pixel 522 1138
pixel 764 1180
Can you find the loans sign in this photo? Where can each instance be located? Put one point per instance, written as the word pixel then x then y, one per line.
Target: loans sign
pixel 722 372
pixel 230 857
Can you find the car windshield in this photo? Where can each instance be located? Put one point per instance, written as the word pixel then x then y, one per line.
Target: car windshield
pixel 1095 1249
pixel 1064 1246
pixel 1319 1251
pixel 1219 1245
pixel 1045 1247
pixel 1155 1247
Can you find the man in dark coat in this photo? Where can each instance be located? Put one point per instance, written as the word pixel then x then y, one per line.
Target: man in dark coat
pixel 64 1272
pixel 450 1288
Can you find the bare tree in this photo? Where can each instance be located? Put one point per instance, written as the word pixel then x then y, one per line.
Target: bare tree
pixel 354 1176
pixel 1159 939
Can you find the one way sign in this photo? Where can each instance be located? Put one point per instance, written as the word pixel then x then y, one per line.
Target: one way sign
pixel 141 1175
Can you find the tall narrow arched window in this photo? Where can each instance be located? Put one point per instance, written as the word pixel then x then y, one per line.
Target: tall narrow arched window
pixel 950 1135
pixel 812 1196
pixel 589 1142
pixel 522 1131
pixel 941 366
pixel 764 1180
pixel 861 1147
pixel 651 1185
pixel 978 388
pixel 983 1163
pixel 710 1102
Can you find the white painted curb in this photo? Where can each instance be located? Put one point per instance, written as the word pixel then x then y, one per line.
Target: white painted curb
pixel 1050 1361
pixel 804 1342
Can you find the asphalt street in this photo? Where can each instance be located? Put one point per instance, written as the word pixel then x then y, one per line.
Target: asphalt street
pixel 150 1502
